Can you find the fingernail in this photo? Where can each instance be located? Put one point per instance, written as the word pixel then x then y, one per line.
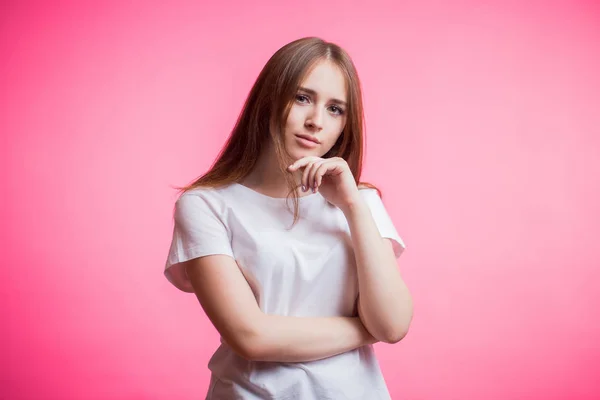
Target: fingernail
pixel 303 188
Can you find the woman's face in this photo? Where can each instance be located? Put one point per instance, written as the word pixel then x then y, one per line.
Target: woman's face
pixel 318 113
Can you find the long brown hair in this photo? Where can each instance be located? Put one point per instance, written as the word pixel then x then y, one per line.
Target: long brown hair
pixel 267 107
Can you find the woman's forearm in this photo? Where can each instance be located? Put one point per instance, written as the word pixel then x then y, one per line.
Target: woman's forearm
pixel 299 339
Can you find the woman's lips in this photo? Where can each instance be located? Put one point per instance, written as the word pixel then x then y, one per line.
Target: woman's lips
pixel 306 143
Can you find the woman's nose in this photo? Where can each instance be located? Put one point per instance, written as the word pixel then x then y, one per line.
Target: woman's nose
pixel 315 119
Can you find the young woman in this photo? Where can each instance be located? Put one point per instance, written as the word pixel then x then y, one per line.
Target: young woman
pixel 290 256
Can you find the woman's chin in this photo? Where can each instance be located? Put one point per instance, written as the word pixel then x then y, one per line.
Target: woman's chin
pixel 298 153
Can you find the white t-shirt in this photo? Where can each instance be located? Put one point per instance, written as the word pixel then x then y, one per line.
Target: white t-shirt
pixel 309 270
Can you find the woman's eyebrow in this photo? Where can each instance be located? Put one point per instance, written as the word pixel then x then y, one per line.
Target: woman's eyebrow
pixel 314 93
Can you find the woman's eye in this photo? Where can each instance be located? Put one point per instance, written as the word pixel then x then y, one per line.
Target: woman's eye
pixel 337 110
pixel 301 98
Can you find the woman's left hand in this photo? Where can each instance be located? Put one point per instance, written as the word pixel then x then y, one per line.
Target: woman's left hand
pixel 331 177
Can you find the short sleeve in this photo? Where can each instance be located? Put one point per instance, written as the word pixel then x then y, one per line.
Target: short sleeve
pixel 382 220
pixel 198 231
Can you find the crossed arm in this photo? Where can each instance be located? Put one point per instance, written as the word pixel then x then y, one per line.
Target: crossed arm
pixel 385 305
pixel 231 306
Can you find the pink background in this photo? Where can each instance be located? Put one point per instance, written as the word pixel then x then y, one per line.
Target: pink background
pixel 483 126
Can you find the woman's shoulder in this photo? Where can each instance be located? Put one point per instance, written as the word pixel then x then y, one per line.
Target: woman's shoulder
pixel 213 196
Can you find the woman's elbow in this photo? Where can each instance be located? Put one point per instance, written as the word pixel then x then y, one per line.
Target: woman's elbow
pixel 397 331
pixel 393 336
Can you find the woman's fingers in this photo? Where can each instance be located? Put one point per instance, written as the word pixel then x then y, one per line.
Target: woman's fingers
pixel 310 179
pixel 307 176
pixel 302 162
pixel 319 172
pixel 304 180
pixel 312 174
